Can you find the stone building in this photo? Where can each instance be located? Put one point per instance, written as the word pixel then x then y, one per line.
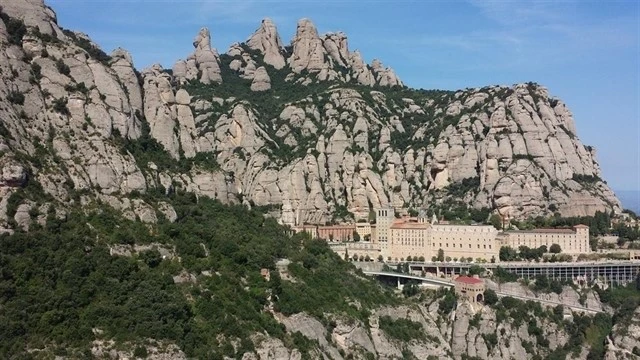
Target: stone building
pixel 464 241
pixel 336 232
pixel 571 241
pixel 408 237
pixel 470 288
pixel 363 229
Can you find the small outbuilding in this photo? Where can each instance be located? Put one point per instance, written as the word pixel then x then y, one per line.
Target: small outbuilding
pixel 471 288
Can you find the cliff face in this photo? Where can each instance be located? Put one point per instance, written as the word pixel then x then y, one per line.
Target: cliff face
pixel 308 130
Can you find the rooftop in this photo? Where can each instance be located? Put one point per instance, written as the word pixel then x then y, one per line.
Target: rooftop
pixel 543 231
pixel 468 280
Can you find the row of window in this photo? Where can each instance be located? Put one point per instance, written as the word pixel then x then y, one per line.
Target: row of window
pixel 454 245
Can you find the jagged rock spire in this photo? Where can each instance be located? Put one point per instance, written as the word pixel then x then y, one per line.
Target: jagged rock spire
pixel 266 40
pixel 308 52
pixel 337 48
pixel 203 61
pixel 384 76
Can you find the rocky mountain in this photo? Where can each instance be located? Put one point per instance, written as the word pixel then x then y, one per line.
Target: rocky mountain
pixel 113 170
pixel 307 130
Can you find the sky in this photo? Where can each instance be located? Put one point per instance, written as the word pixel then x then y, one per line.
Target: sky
pixel 586 53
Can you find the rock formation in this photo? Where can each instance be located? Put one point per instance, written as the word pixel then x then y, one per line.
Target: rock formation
pixel 261 80
pixel 311 153
pixel 267 41
pixel 202 64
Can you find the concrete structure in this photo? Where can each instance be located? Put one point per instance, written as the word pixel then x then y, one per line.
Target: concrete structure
pixel 401 279
pixel 470 288
pixel 571 241
pixel 611 272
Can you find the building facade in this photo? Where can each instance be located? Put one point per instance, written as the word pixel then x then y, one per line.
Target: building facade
pixel 571 241
pixel 364 230
pixel 408 237
pixel 470 288
pixel 396 239
pixel 465 241
pixel 336 232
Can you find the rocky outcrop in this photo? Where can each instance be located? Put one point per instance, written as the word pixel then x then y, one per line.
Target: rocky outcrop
pixel 261 80
pixel 308 52
pixel 202 64
pixel 513 150
pixel 624 342
pixel 266 40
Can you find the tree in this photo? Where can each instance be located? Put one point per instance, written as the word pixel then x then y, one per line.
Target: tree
pixel 507 253
pixel 555 249
pixel 346 254
pixel 275 283
pixel 367 258
pixel 356 236
pixel 496 221
pixel 434 259
pixel 421 258
pixel 448 259
pixel 410 289
pixel 440 255
pixel 409 258
pixel 330 237
pixel 490 297
pixel 405 268
pixel 476 270
pixel 355 257
pixel 380 258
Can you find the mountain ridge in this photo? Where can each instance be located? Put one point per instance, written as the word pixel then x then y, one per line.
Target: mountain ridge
pixel 309 130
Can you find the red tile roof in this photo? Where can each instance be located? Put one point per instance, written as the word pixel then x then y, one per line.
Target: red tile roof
pixel 468 280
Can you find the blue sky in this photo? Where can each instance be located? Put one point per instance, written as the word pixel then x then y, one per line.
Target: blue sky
pixel 585 52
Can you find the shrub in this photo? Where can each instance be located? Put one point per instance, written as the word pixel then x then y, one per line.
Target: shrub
pixel 490 297
pixel 140 352
pixel 60 106
pixel 15 28
pixel 401 329
pixel 16 97
pixel 62 67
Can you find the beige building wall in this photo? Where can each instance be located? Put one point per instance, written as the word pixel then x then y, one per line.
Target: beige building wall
pixel 408 238
pixel 384 219
pixel 470 288
pixel 571 241
pixel 357 248
pixel 336 232
pixel 457 241
pixel 363 229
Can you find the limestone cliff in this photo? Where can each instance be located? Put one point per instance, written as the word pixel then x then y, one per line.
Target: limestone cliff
pixel 308 130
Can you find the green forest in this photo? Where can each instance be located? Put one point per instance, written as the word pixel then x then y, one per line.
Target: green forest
pixel 59 281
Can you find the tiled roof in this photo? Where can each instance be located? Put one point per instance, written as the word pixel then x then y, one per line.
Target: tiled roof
pixel 468 280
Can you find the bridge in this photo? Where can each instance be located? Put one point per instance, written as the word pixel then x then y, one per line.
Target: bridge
pixel 400 277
